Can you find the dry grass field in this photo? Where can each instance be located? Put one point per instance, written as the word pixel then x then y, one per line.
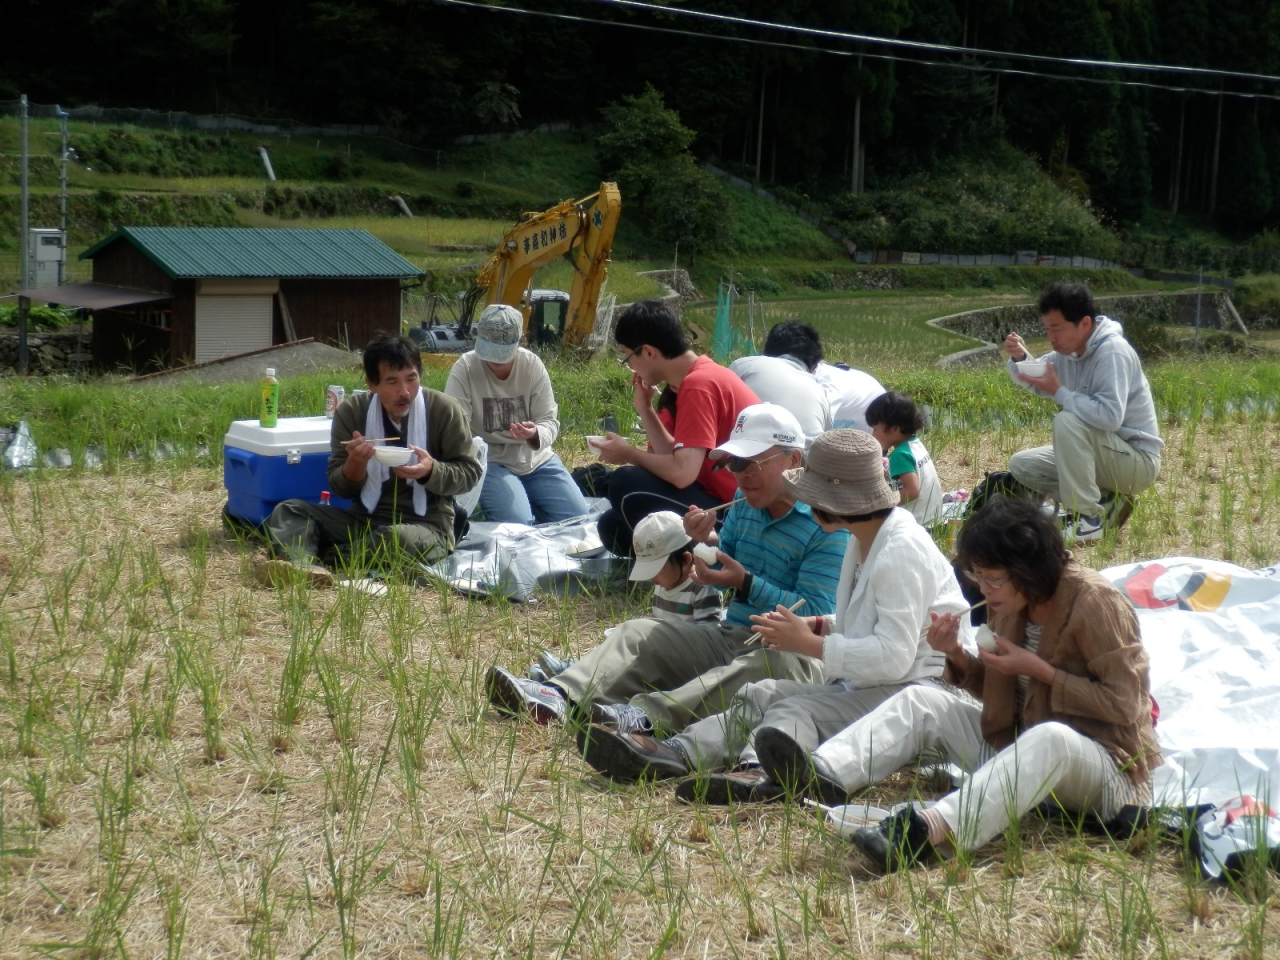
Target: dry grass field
pixel 193 764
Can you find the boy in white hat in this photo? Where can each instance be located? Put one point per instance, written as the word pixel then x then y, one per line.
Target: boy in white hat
pixel 664 557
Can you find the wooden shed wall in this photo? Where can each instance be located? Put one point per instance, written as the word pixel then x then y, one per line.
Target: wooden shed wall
pixel 125 265
pixel 338 311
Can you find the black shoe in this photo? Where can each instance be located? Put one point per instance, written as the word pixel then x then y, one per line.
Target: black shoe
pixel 749 785
pixel 898 841
pixel 791 768
pixel 628 757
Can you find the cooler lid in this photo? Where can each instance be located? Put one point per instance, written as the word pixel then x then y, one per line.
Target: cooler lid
pixel 304 434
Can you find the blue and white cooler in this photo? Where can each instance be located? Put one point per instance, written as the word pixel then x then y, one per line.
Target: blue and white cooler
pixel 262 466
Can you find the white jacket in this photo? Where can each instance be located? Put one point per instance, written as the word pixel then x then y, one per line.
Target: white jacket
pixel 877 635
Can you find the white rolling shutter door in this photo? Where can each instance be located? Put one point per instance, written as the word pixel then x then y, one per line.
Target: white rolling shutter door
pixel 227 325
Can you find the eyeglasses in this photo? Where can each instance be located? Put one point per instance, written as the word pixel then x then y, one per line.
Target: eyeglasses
pixel 746 464
pixel 986 583
pixel 625 361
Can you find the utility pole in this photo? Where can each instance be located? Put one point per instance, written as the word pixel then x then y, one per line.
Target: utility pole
pixel 764 76
pixel 25 190
pixel 24 305
pixel 856 180
pixel 63 116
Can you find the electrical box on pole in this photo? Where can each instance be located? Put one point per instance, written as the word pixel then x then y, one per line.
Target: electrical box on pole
pixel 47 250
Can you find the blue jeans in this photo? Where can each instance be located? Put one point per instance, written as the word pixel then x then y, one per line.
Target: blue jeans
pixel 542 495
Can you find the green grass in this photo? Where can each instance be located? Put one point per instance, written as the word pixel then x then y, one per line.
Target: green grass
pixel 874 332
pixel 196 765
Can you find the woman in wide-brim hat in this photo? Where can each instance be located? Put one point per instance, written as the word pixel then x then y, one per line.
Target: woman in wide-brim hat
pixel 892 579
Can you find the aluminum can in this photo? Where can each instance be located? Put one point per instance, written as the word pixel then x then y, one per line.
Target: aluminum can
pixel 333 396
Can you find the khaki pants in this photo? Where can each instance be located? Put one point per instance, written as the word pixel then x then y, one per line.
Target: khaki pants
pixel 1081 462
pixel 302 531
pixel 806 712
pixel 1049 758
pixel 677 672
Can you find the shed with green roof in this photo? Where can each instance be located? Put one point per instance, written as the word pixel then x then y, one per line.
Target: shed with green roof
pixel 234 290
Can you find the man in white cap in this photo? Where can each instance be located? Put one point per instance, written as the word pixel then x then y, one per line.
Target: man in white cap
pixel 506 393
pixel 653 675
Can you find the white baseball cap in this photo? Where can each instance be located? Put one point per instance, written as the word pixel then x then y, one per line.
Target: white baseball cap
pixel 498 333
pixel 759 427
pixel 655 538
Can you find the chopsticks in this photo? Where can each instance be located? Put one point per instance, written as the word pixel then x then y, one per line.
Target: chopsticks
pixel 723 505
pixel 980 603
pixel 346 443
pixel 756 636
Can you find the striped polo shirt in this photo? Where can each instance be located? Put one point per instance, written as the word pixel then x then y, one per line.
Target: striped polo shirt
pixel 790 558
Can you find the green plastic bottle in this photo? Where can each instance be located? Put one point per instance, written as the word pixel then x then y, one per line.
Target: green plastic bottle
pixel 269 412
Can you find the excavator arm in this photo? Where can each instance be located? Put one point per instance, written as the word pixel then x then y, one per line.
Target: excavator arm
pixel 581 230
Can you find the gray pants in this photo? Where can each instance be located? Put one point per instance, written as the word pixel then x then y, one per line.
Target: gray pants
pixel 808 713
pixel 301 530
pixel 1081 462
pixel 678 672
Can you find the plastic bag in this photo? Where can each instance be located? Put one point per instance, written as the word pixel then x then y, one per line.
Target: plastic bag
pixel 19 449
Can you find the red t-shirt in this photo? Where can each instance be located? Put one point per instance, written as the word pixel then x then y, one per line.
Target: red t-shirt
pixel 707 406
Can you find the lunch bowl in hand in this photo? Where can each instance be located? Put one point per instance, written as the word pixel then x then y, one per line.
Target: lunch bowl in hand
pixel 1032 368
pixel 594 441
pixel 393 456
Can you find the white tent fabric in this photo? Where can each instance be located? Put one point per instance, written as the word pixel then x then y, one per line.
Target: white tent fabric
pixel 1212 632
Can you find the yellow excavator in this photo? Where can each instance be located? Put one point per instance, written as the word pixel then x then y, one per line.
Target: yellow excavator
pixel 579 230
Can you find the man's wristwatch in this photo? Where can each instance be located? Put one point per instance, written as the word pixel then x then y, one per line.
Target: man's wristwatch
pixel 744 591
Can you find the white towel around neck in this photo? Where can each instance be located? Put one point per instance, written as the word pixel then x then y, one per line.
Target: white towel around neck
pixel 414 433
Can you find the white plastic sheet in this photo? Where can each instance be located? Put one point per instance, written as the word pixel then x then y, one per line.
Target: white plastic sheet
pixel 1212 632
pixel 518 561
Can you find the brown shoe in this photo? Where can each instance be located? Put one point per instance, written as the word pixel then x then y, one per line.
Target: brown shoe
pixel 280 573
pixel 628 757
pixel 746 785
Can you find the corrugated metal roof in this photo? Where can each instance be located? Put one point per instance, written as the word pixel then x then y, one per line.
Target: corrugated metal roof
pixel 208 252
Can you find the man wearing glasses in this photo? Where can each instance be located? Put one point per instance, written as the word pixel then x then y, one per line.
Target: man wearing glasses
pixel 651 674
pixel 695 413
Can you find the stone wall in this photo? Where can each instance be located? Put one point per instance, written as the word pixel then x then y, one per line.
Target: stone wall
pixel 47 353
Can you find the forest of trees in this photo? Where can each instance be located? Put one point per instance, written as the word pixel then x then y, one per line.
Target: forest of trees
pixel 784 110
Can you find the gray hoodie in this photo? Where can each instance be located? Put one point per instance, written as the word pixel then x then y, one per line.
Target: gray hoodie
pixel 1106 387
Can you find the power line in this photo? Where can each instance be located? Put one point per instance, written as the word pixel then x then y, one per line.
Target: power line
pixel 884 57
pixel 937 47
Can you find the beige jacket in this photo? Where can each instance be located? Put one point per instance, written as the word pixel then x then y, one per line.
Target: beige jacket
pixel 1101 688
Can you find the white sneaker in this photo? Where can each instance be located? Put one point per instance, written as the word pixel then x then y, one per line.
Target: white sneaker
pixel 622 717
pixel 1082 530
